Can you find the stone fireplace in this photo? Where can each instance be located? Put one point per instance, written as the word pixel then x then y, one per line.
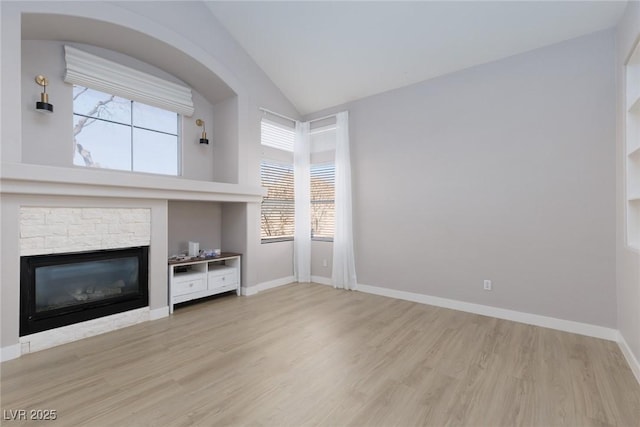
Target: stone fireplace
pixel 48 210
pixel 83 270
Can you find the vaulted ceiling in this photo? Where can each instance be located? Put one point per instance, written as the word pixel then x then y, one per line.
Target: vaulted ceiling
pixel 325 53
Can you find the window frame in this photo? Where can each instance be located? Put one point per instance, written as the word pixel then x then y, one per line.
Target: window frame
pixel 291 202
pixel 323 165
pixel 132 128
pixel 276 140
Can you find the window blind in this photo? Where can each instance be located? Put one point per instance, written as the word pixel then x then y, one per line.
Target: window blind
pixel 85 69
pixel 278 208
pixel 322 201
pixel 277 136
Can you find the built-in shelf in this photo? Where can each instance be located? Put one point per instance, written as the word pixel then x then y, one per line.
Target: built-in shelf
pixel 632 148
pixel 21 178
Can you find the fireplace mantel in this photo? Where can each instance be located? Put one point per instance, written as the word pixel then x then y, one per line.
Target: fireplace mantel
pixel 29 179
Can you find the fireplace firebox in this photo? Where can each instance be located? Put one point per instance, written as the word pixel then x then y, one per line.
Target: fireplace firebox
pixel 61 289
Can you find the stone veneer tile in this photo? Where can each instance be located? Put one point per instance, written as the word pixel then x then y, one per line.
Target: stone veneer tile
pixel 46 230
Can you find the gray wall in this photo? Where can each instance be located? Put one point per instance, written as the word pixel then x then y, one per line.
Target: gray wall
pixel 223 140
pixel 194 221
pixel 276 261
pixel 628 261
pixel 503 171
pixel 321 252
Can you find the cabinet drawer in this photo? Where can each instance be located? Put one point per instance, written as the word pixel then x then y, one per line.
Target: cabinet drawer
pixel 188 286
pixel 220 281
pixel 220 270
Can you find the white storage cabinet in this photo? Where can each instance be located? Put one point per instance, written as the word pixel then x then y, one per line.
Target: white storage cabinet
pixel 198 278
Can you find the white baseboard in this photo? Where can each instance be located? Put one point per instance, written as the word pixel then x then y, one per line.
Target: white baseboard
pixel 159 313
pixel 252 290
pixel 10 352
pixel 322 280
pixel 628 354
pixel 500 313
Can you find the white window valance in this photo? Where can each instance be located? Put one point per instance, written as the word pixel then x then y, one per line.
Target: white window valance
pixel 85 69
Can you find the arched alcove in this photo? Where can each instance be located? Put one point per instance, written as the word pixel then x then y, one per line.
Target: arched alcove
pixel 39 26
pixel 43 36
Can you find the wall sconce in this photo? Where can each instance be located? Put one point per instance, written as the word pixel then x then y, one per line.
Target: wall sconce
pixel 43 105
pixel 203 139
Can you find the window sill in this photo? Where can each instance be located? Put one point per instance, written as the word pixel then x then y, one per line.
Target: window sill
pixel 322 239
pixel 276 240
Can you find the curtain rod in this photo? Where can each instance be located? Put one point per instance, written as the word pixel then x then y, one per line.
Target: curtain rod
pixel 294 120
pixel 323 117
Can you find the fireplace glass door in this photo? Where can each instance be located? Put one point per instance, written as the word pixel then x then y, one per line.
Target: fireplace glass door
pixel 62 289
pixel 64 285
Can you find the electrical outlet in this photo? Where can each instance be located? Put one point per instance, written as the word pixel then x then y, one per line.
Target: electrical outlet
pixel 325 263
pixel 487 285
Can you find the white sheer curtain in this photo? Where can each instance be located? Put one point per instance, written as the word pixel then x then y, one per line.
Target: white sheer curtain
pixel 302 193
pixel 344 269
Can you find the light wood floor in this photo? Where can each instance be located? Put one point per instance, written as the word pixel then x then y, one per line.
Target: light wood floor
pixel 311 355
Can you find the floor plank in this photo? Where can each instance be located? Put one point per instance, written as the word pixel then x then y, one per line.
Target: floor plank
pixel 311 355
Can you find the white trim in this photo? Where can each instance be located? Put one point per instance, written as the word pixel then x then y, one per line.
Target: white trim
pixel 159 313
pixel 10 352
pixel 282 116
pixel 628 354
pixel 500 313
pixel 252 290
pixel 77 331
pixel 321 280
pixel 97 73
pixel 247 292
pixel 323 117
